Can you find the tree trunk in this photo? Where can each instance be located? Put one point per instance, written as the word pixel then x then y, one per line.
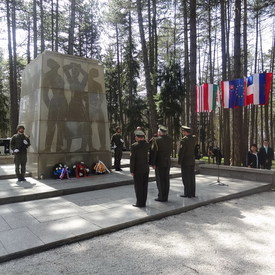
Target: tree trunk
pixel 29 41
pixel 271 96
pixel 34 29
pixel 42 26
pixel 11 25
pixel 193 63
pixel 186 105
pixel 148 84
pixel 119 80
pixel 56 26
pixel 246 120
pixel 238 112
pixel 71 29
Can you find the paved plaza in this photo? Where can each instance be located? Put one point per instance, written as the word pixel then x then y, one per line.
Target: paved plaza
pixel 41 214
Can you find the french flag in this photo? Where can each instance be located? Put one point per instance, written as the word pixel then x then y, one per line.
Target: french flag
pixel 258 88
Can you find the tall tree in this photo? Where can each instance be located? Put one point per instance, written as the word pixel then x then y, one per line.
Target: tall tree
pixel 193 63
pixel 225 57
pixel 238 73
pixel 42 29
pixel 72 27
pixel 148 83
pixel 35 32
pixel 14 98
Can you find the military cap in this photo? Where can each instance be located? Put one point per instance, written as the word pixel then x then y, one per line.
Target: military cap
pixel 139 133
pixel 185 128
pixel 162 128
pixel 20 127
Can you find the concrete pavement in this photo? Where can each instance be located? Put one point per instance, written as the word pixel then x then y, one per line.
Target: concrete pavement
pixel 41 214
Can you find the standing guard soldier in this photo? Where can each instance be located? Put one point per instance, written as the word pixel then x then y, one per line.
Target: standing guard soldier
pixel 187 161
pixel 19 144
pixel 139 168
pixel 117 143
pixel 161 149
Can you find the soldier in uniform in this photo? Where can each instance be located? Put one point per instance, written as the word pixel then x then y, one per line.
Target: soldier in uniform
pixel 186 158
pixel 19 144
pixel 117 143
pixel 161 149
pixel 139 168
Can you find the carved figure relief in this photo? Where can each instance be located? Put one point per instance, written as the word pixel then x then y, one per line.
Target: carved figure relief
pixel 57 106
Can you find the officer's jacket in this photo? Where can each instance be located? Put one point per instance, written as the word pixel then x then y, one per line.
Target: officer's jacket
pixel 186 154
pixel 139 157
pixel 17 142
pixel 117 140
pixel 160 151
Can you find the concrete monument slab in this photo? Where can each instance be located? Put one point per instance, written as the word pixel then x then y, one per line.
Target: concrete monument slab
pixel 63 107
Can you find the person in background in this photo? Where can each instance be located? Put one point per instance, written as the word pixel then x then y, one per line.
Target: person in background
pixel 139 168
pixel 160 152
pixel 19 144
pixel 117 143
pixel 252 157
pixel 186 158
pixel 266 155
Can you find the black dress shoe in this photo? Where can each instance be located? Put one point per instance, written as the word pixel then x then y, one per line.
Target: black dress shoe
pixel 119 169
pixel 138 205
pixel 157 199
pixel 184 196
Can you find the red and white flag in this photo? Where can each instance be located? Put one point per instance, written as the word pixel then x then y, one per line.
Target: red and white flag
pixel 207 97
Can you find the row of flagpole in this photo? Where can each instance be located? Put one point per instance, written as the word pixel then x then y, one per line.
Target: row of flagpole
pixel 254 89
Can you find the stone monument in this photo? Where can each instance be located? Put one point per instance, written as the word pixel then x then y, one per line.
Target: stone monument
pixel 64 110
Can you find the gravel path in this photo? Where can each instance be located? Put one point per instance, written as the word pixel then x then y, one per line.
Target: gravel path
pixel 234 237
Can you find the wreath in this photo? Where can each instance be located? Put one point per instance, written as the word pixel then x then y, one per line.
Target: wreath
pixel 100 168
pixel 61 171
pixel 81 169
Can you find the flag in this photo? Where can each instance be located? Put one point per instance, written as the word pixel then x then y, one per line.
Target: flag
pixel 206 97
pixel 233 93
pixel 258 88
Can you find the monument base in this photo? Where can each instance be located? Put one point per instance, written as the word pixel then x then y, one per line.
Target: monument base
pixel 41 165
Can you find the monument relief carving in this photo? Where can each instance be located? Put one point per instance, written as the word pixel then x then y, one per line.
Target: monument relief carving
pixel 65 110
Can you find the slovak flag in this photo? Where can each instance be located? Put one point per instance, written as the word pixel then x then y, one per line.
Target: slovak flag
pixel 233 93
pixel 258 88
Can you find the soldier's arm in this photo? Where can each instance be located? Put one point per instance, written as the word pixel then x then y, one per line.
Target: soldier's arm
pixel 153 152
pixel 132 160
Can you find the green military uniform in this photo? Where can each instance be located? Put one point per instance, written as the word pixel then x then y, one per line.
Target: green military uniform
pixel 187 161
pixel 139 167
pixel 160 153
pixel 19 144
pixel 117 143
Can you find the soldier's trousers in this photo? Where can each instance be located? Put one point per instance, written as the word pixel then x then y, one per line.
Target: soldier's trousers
pixel 141 187
pixel 20 161
pixel 188 179
pixel 163 182
pixel 117 157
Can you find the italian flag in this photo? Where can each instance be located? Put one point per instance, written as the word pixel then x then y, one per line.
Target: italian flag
pixel 207 97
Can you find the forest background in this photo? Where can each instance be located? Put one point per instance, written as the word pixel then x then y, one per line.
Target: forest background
pixel 154 53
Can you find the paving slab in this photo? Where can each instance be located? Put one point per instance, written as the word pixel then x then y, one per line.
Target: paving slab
pixel 32 226
pixel 13 191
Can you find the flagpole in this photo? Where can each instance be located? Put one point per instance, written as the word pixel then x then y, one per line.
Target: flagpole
pixel 218 157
